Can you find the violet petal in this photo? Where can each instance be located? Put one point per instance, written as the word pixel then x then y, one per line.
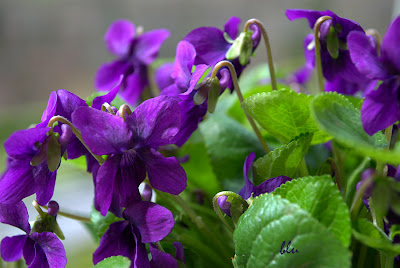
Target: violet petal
pixel 52 248
pixel 11 247
pixel 15 215
pixel 161 259
pixel 119 36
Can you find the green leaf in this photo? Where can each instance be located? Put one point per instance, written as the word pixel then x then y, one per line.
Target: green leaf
pixel 285 114
pixel 272 220
pixel 114 262
pixel 228 144
pixel 101 223
pixel 198 168
pixel 366 232
pixel 282 161
pixel 337 116
pixel 321 198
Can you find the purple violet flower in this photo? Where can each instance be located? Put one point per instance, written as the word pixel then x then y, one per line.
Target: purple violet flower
pixel 145 222
pixel 131 145
pixel 39 249
pixel 381 107
pixel 135 52
pixel 161 259
pixel 339 71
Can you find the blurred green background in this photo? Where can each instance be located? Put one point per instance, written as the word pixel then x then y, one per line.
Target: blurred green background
pixel 48 45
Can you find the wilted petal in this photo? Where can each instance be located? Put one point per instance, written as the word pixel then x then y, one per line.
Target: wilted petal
pixel 163 75
pixel 11 247
pixel 165 173
pixel 209 43
pixel 155 122
pixel 109 73
pixel 161 259
pixel 104 185
pixel 248 188
pixel 117 240
pixel 365 56
pixel 390 44
pixel 270 185
pixel 148 44
pixel 231 27
pixel 102 132
pixel 52 247
pixel 153 221
pixel 380 108
pixel 17 183
pixel 119 36
pixel 15 215
pixel 107 98
pixel 21 144
pixel 185 55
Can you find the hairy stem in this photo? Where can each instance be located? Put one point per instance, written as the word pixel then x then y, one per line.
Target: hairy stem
pixel 317 25
pixel 232 71
pixel 267 45
pixel 77 133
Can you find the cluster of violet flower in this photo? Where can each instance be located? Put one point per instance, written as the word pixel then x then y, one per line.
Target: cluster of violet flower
pixel 123 147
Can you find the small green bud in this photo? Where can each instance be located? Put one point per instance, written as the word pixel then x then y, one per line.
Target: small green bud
pixel 53 153
pixel 332 42
pixel 213 94
pixel 246 49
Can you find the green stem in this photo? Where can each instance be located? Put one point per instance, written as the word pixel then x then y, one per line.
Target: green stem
pixel 240 97
pixel 71 216
pixel 355 206
pixel 38 209
pixel 198 221
pixel 336 173
pixel 303 168
pixel 354 179
pixel 389 261
pixel 388 134
pixel 267 45
pixel 317 25
pixel 362 256
pixel 77 133
pixel 340 167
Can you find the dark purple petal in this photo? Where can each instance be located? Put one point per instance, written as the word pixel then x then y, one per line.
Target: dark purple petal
pixel 21 144
pixel 117 240
pixel 147 45
pixel 11 247
pixel 248 188
pixel 172 91
pixel 380 108
pixel 270 185
pixel 231 27
pixel 153 221
pixel 165 173
pixel 102 132
pixel 209 43
pixel 46 189
pixel 39 259
pixel 119 36
pixel 141 258
pixel 104 185
pixel 180 253
pixel 224 205
pixel 15 215
pixel 191 115
pixel 390 44
pixel 133 172
pixel 346 87
pixel 29 251
pixel 161 259
pixel 155 122
pixel 18 182
pixel 52 247
pixel 135 83
pixel 163 75
pixel 197 74
pixel 185 55
pixel 365 56
pixel 109 74
pixel 107 98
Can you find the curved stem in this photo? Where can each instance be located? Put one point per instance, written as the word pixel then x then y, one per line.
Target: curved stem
pixel 268 46
pixel 71 216
pixel 218 210
pixel 358 197
pixel 38 209
pixel 77 133
pixel 317 25
pixel 376 35
pixel 231 68
pixel 124 111
pixel 105 107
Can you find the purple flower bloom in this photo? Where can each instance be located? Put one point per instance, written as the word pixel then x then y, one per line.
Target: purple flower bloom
pixel 161 259
pixel 145 222
pixel 135 52
pixel 39 249
pixel 267 186
pixel 131 145
pixel 381 107
pixel 338 70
